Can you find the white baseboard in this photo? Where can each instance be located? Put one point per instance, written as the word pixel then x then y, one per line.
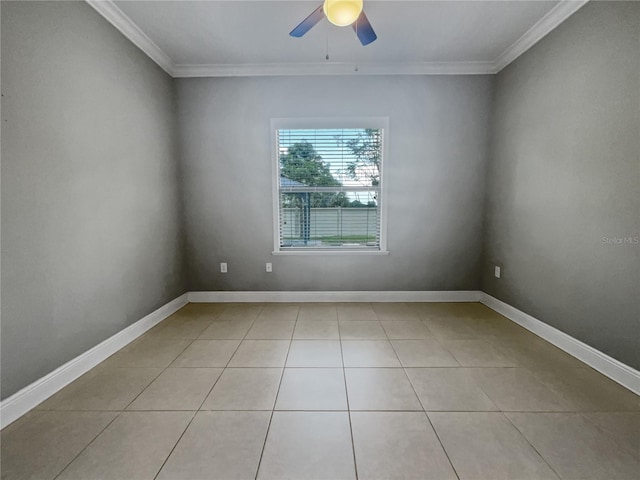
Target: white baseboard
pixel 29 397
pixel 355 296
pixel 617 371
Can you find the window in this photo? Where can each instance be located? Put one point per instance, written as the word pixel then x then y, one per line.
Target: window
pixel 328 186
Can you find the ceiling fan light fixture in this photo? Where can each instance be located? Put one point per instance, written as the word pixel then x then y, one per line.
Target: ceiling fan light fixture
pixel 342 12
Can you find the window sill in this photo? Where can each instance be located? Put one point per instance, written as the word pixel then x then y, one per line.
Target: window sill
pixel 331 252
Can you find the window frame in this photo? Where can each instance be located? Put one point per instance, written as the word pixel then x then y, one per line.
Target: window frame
pixel 381 123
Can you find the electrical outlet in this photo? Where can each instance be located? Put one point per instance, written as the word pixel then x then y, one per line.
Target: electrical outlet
pixel 496 271
pixel 269 267
pixel 223 267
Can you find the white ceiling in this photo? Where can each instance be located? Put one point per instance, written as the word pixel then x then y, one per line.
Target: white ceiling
pixel 243 37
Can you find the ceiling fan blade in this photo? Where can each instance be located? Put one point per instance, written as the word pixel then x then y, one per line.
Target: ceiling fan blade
pixel 308 23
pixel 364 30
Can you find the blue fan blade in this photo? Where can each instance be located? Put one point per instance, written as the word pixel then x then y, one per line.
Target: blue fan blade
pixel 308 23
pixel 364 30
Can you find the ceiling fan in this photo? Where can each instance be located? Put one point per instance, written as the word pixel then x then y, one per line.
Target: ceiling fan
pixel 341 13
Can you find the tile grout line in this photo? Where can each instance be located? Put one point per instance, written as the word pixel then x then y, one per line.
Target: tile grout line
pixel 610 435
pixel 171 362
pixel 346 394
pixel 548 412
pixel 423 320
pixel 120 412
pixel 607 433
pixel 156 377
pixel 531 445
pixel 193 416
pixel 264 444
pixel 203 400
pixel 228 361
pixel 480 367
pixel 455 472
pixel 502 412
pixel 191 341
pixel 87 445
pixel 420 401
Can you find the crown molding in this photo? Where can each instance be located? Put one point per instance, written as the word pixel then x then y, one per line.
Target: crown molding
pixel 540 29
pixel 129 29
pixel 293 69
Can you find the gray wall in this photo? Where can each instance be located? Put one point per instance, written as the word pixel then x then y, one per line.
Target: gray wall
pixel 436 170
pixel 91 236
pixel 564 180
pixel 92 209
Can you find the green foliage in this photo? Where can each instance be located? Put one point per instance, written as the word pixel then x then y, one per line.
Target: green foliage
pixel 359 204
pixel 367 148
pixel 303 164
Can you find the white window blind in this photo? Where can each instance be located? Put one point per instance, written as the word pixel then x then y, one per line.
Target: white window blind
pixel 329 189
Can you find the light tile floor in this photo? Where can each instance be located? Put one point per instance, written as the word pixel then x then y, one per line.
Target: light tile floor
pixel 332 391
